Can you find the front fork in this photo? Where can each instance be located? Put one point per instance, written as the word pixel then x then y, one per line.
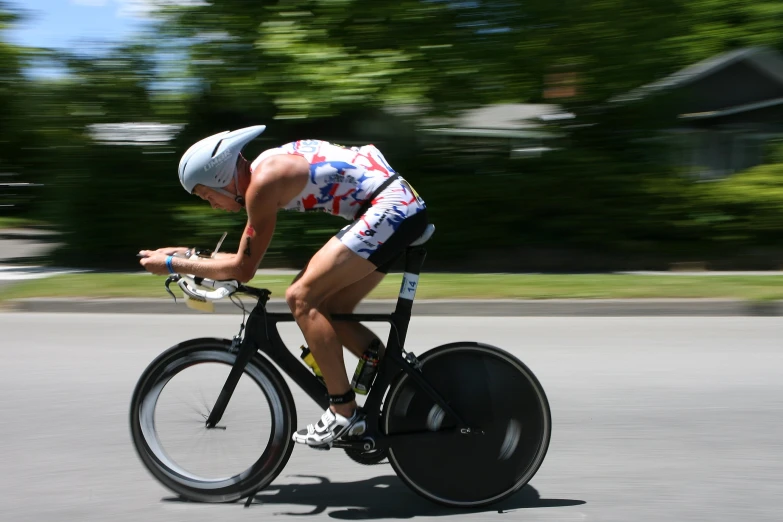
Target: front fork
pixel 246 350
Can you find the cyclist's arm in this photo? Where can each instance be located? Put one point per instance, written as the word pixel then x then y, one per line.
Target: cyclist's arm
pixel 219 255
pixel 172 250
pixel 262 204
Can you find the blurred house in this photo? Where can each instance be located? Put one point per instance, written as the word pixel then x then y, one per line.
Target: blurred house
pixel 721 112
pixel 719 115
pixel 516 129
pixel 134 133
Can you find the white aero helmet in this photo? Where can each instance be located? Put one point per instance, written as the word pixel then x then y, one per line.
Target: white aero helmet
pixel 212 161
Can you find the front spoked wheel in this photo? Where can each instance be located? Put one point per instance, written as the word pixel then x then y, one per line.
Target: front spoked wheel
pixel 494 392
pixel 242 454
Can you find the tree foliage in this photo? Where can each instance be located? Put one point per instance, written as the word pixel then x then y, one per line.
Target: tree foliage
pixel 339 69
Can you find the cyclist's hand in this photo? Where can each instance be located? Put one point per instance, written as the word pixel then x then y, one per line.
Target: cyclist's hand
pixel 170 251
pixel 154 262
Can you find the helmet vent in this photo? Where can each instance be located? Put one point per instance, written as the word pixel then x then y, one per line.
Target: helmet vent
pixel 216 148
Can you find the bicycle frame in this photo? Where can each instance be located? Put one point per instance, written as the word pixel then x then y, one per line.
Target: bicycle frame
pixel 262 336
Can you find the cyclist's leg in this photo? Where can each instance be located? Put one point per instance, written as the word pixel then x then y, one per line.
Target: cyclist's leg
pixel 331 269
pixel 354 336
pixel 335 280
pixel 355 253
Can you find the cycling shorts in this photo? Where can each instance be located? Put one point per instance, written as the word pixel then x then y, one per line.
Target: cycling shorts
pixel 396 218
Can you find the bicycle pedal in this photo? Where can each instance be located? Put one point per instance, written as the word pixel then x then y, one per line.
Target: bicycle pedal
pixel 321 447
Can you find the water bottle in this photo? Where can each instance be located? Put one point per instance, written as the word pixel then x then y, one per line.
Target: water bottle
pixel 309 360
pixel 366 369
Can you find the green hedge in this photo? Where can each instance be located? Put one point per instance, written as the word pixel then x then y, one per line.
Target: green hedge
pixel 109 202
pixel 746 209
pixel 587 206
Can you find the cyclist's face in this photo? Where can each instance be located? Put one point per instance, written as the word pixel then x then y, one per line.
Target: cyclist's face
pixel 217 200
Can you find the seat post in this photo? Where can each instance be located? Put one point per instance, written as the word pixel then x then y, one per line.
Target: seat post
pixel 414 260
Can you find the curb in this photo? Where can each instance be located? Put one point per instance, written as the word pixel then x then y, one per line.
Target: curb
pixel 434 307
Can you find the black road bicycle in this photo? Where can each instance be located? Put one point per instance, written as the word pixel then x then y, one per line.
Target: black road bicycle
pixel 465 424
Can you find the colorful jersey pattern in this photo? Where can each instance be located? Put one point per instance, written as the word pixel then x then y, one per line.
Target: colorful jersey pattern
pixel 341 178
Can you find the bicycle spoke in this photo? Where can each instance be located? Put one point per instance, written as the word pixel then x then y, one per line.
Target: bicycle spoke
pixel 170 405
pixel 193 408
pixel 211 451
pixel 206 406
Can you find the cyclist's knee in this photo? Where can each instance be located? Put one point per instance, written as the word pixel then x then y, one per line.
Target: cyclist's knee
pixel 296 299
pixel 302 302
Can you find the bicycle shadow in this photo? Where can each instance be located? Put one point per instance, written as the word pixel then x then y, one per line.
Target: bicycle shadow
pixel 383 497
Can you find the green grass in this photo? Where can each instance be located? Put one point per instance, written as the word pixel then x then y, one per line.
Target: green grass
pixel 443 286
pixel 14 222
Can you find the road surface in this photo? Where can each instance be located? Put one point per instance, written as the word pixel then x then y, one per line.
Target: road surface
pixel 667 418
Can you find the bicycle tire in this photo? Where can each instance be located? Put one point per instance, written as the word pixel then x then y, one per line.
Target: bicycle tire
pixel 224 489
pixel 507 403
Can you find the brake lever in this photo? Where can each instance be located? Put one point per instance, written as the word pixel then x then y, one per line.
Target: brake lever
pixel 172 279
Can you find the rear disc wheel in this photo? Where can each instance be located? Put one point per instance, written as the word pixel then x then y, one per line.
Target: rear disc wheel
pixel 494 392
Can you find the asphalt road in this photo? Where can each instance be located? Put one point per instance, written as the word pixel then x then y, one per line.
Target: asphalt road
pixel 665 418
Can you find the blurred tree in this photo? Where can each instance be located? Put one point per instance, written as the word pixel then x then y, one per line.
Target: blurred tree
pixel 109 198
pixel 709 27
pixel 111 89
pixel 315 58
pixel 12 87
pixel 297 60
pixel 337 69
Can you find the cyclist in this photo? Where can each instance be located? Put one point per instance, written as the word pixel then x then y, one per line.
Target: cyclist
pixel 355 183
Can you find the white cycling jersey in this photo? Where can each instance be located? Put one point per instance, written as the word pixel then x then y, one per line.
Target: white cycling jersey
pixel 341 178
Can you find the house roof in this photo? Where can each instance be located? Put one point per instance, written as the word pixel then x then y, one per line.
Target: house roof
pixel 133 133
pixel 764 59
pixel 732 110
pixel 508 116
pixel 498 120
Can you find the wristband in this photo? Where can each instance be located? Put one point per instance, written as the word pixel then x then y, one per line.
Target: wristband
pixel 168 264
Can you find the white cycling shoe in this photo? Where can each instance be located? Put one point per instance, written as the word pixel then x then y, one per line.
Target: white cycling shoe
pixel 331 427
